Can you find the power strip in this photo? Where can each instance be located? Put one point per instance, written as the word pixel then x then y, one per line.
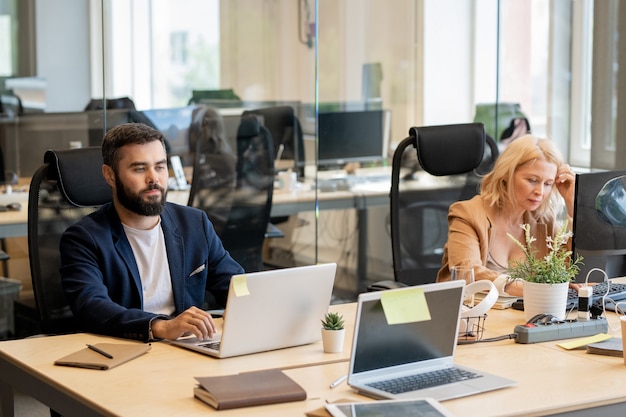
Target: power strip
pixel 535 333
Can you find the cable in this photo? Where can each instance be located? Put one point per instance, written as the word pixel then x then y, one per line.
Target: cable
pixel 503 337
pixel 489 339
pixel 605 297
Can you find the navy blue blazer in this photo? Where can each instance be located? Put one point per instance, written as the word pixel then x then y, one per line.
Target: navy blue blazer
pixel 101 279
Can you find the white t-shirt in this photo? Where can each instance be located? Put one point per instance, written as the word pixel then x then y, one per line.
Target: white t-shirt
pixel 151 257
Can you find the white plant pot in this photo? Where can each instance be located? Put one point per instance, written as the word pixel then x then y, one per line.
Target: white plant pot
pixel 332 340
pixel 545 299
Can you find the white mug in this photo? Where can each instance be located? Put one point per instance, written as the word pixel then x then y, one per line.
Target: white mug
pixel 287 181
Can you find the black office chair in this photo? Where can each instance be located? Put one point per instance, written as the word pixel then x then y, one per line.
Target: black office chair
pixel 251 204
pixel 285 128
pixel 419 227
pixel 67 187
pixel 99 125
pixel 214 168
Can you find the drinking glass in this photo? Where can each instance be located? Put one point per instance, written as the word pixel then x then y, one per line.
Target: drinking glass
pixel 466 274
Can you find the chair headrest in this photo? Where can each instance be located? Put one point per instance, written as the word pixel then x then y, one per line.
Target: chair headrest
pixel 79 175
pixel 249 126
pixel 450 149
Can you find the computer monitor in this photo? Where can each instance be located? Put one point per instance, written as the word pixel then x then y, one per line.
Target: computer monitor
pixel 174 124
pixel 100 122
pixel 352 136
pixel 284 126
pixel 600 224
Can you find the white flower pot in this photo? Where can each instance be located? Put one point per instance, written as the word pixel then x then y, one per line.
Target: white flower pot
pixel 545 299
pixel 332 340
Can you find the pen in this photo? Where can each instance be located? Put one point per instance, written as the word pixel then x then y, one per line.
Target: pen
pixel 338 381
pixel 279 152
pixel 100 351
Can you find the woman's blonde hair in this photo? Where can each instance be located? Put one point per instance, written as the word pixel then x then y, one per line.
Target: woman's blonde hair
pixel 497 187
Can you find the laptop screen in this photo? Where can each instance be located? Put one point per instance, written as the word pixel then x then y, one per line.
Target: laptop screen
pixel 381 345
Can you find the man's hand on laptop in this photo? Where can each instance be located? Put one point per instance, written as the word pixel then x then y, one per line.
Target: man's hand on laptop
pixel 191 321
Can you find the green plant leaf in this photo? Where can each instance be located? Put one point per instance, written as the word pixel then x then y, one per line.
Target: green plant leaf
pixel 556 267
pixel 333 321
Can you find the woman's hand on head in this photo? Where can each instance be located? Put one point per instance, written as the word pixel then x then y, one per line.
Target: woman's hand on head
pixel 565 183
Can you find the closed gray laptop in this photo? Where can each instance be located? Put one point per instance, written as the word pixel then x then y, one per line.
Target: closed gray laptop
pixel 270 310
pixel 385 356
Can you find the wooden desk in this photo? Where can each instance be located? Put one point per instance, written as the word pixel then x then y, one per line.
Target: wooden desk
pixel 550 379
pixel 14 223
pixel 140 386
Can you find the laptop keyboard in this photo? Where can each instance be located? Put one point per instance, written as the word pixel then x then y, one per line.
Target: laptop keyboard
pixel 426 380
pixel 211 345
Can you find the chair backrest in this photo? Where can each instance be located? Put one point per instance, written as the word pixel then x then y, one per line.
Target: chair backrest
pixel 251 202
pixel 67 187
pixel 214 167
pixel 419 227
pixel 286 130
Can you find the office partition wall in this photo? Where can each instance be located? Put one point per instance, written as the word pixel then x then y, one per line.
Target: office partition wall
pixel 424 62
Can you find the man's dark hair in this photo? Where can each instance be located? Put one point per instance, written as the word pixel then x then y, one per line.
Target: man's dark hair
pixel 126 134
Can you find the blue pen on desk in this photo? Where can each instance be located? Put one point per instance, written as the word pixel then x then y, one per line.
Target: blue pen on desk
pixel 100 351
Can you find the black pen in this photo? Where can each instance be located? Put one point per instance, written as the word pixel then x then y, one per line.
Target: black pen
pixel 100 351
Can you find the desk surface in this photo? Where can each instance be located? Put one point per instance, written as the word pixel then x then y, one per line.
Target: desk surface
pixel 550 379
pixel 158 383
pixel 14 223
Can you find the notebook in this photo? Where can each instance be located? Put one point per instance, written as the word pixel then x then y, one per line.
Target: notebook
pixel 502 303
pixel 412 332
pixel 103 356
pixel 270 310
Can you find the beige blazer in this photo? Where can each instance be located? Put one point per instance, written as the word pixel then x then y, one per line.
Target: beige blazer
pixel 469 235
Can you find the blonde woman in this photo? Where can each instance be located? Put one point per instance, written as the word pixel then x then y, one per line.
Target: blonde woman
pixel 529 184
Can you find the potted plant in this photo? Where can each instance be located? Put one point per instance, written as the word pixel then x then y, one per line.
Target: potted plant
pixel 546 279
pixel 333 332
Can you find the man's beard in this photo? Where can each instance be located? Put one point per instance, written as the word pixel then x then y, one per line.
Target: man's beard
pixel 135 202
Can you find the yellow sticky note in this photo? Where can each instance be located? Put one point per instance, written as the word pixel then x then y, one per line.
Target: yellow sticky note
pixel 240 285
pixel 600 337
pixel 406 306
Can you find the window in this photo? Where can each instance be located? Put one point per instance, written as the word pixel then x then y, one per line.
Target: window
pixel 160 50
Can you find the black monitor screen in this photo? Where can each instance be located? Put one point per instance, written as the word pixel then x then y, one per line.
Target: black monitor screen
pixel 600 223
pixel 351 137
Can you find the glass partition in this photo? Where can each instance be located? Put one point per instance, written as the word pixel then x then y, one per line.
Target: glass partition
pixel 514 65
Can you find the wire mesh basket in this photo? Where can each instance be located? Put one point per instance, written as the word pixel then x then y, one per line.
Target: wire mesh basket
pixel 471 329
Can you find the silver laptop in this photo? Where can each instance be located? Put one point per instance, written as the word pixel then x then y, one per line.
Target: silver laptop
pixel 385 355
pixel 270 310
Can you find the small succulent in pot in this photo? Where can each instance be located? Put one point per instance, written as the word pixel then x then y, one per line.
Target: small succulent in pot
pixel 332 321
